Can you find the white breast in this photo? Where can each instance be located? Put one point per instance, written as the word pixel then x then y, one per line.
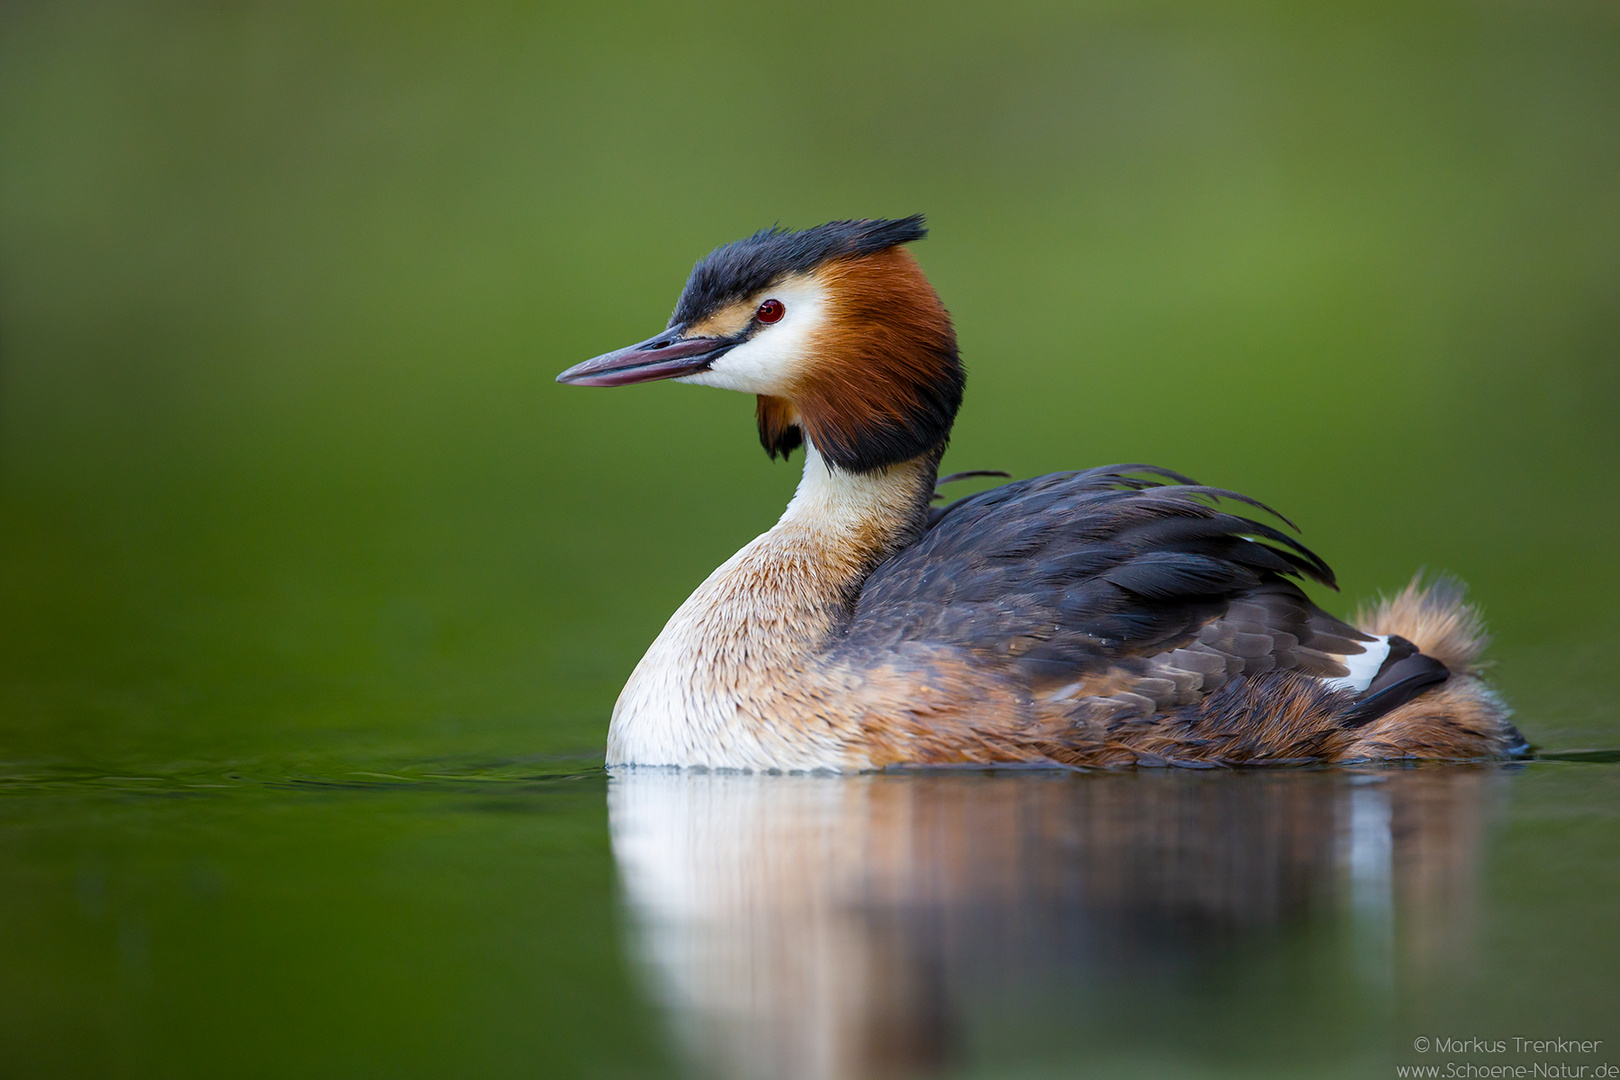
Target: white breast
pixel 702 696
pixel 736 679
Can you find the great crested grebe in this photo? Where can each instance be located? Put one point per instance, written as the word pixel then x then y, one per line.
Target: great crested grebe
pixel 1113 616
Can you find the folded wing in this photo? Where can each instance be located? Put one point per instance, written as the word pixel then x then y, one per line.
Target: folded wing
pixel 1127 585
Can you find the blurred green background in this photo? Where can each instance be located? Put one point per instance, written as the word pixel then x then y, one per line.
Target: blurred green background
pixel 285 287
pixel 287 490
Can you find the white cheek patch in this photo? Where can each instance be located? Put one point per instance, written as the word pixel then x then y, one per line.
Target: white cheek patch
pixel 768 362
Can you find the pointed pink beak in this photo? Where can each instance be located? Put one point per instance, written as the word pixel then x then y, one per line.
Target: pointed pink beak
pixel 663 356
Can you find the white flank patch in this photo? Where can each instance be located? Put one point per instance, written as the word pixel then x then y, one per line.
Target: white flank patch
pixel 1363 667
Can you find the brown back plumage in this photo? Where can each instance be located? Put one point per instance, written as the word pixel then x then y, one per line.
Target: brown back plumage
pixel 1145 624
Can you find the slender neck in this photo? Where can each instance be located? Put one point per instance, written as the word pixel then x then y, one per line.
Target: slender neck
pixel 858 519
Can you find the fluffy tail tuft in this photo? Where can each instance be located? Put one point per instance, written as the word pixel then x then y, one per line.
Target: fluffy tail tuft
pixel 1435 618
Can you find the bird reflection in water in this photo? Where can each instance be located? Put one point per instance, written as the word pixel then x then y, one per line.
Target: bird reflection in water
pixel 892 925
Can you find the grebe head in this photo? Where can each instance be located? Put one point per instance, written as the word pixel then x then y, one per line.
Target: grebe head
pixel 835 329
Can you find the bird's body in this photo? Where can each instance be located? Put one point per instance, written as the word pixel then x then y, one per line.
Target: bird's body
pixel 1110 617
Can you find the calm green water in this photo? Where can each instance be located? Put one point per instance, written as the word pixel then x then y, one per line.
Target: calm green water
pixel 315 591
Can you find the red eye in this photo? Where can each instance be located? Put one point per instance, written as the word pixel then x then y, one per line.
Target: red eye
pixel 770 311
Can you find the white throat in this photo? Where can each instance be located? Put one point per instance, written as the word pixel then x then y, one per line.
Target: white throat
pixel 834 502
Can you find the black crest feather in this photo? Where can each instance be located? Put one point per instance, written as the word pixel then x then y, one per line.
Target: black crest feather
pixel 744 267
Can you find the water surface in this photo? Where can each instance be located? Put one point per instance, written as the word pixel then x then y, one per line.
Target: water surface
pixel 527 919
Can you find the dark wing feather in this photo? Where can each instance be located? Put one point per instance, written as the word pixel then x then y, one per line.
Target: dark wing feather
pixel 1125 568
